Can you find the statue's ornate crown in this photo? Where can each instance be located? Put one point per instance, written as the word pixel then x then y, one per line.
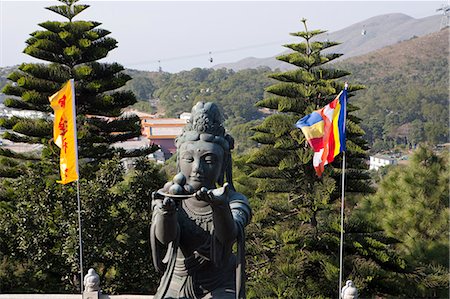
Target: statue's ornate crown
pixel 206 123
pixel 206 118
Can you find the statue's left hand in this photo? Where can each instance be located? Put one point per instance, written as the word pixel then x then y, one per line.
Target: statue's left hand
pixel 215 197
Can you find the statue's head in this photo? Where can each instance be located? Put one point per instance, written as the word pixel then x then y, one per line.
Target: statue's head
pixel 204 149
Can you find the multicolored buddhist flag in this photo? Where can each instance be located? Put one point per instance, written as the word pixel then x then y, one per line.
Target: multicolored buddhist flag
pixel 325 131
pixel 65 131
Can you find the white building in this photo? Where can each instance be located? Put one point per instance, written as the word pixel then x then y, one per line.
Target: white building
pixel 10 112
pixel 378 161
pixel 185 115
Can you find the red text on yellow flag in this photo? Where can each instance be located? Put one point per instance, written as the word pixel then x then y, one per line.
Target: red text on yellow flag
pixel 64 131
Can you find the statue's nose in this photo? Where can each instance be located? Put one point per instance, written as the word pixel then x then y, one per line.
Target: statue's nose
pixel 196 167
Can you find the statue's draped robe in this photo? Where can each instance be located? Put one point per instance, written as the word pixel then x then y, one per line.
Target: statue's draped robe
pixel 196 264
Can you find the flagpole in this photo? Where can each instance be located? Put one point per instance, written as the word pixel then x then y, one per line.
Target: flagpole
pixel 80 241
pixel 65 137
pixel 79 236
pixel 341 246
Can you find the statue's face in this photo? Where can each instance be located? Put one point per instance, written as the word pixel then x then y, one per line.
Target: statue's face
pixel 201 163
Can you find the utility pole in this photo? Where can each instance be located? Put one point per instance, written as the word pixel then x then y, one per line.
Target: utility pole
pixel 445 15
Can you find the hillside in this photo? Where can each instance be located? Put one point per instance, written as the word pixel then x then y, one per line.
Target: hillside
pixel 416 59
pixel 406 100
pixel 407 96
pixel 380 31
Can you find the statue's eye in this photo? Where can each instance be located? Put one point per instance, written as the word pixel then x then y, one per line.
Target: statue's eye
pixel 188 159
pixel 210 159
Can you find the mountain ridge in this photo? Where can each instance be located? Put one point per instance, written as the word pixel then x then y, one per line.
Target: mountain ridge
pixel 379 31
pixel 406 96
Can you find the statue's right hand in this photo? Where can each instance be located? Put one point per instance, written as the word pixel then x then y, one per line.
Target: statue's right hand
pixel 168 204
pixel 163 203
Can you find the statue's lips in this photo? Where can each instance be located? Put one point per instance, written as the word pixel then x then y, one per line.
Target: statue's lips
pixel 197 178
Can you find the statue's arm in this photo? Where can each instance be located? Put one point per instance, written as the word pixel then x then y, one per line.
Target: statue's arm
pixel 165 220
pixel 225 228
pixel 229 209
pixel 240 208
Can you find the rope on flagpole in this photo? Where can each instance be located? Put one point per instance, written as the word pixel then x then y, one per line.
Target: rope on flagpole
pixel 79 237
pixel 341 245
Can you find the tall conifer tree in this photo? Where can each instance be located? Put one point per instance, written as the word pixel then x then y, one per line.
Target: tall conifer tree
pixel 295 236
pixel 71 50
pixel 40 251
pixel 411 203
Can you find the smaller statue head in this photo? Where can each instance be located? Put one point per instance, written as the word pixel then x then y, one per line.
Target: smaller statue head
pixel 204 149
pixel 349 291
pixel 91 281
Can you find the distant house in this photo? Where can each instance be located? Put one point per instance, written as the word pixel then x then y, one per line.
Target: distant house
pixel 163 131
pixel 10 112
pixel 378 161
pixel 159 131
pixel 185 115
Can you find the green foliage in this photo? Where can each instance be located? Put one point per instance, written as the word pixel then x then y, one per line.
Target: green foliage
pixel 71 48
pixel 411 204
pixel 39 237
pixel 235 92
pixel 241 134
pixel 406 101
pixel 294 238
pixel 142 87
pixel 144 106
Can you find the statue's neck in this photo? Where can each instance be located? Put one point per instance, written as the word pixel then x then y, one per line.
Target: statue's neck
pixel 197 205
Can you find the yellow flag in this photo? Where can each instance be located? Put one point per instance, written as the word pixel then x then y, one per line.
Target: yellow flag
pixel 65 131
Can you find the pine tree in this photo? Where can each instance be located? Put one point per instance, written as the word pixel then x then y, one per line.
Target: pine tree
pixel 411 203
pixel 71 50
pixel 39 235
pixel 294 238
pixel 38 242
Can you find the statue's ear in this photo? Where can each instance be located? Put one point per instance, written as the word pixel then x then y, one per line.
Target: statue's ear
pixel 178 162
pixel 220 180
pixel 223 170
pixel 229 171
pixel 230 140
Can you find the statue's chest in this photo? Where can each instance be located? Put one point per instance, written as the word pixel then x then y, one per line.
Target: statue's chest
pixel 196 228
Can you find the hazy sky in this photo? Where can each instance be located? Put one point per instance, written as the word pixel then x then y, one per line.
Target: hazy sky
pixel 180 34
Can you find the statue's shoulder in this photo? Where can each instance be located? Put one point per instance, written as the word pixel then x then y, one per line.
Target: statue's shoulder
pixel 240 205
pixel 239 201
pixel 237 197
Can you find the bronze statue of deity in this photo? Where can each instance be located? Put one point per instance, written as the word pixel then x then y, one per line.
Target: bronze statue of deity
pixel 197 218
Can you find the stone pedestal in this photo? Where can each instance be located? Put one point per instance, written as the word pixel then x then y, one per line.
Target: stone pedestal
pixel 91 285
pixel 91 295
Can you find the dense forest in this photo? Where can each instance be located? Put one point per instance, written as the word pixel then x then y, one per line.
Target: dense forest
pixel 176 93
pixel 406 96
